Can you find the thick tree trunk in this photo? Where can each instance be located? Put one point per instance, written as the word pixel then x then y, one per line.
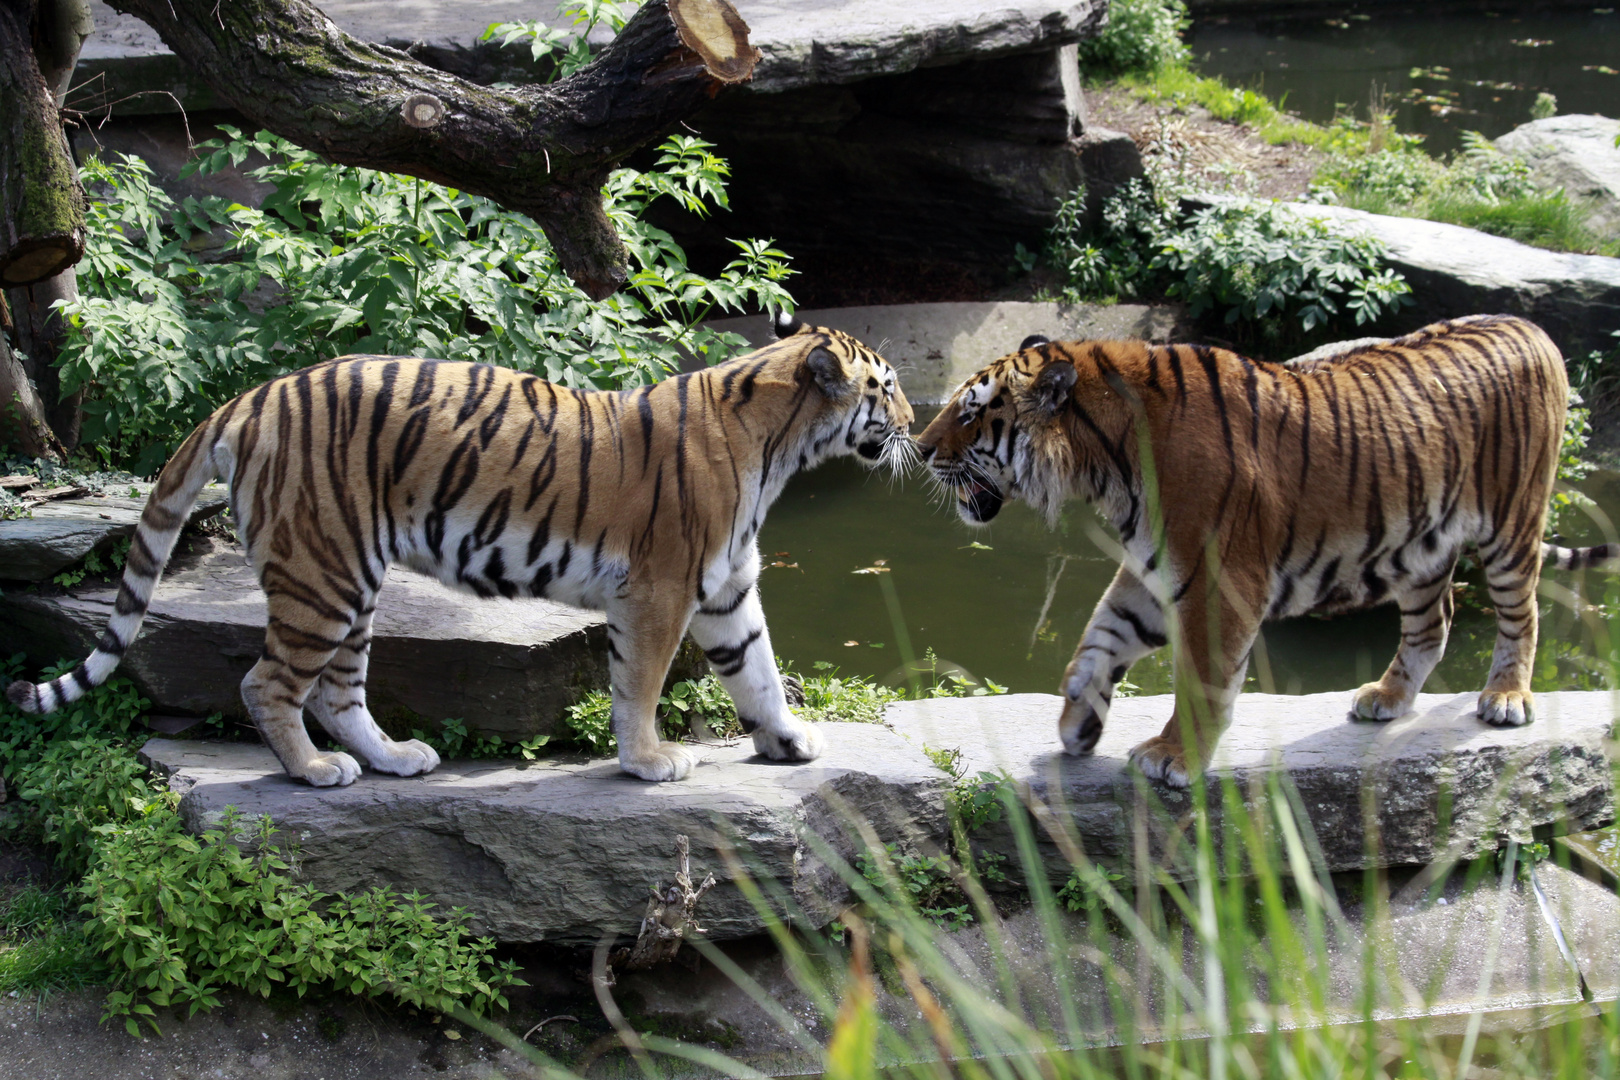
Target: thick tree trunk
pixel 41 203
pixel 543 150
pixel 41 217
pixel 22 413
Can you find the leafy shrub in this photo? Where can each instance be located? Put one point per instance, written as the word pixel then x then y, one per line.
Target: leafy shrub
pixel 1259 265
pixel 175 918
pixel 927 882
pixel 1140 36
pixel 186 916
pixel 342 260
pixel 831 696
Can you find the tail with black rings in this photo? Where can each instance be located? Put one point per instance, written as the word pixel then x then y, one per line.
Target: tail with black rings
pixel 1602 556
pixel 164 515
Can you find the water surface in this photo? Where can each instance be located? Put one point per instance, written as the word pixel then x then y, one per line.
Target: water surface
pixel 1444 73
pixel 1010 601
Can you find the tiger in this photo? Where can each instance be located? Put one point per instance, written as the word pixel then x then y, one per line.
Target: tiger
pixel 645 504
pixel 1243 491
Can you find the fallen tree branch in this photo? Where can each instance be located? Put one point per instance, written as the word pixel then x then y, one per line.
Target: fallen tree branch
pixel 543 150
pixel 671 916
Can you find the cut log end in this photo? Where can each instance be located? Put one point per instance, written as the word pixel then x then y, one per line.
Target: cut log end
pixel 39 258
pixel 714 30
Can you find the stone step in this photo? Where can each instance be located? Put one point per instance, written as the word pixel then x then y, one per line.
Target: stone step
pixel 561 850
pixel 59 533
pixel 1435 786
pixel 504 667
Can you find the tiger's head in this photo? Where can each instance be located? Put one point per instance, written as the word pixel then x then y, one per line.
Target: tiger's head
pixel 863 410
pixel 996 438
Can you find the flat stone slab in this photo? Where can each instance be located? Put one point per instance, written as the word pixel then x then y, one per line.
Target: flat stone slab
pixel 1434 786
pixel 564 850
pixel 504 667
pixel 935 346
pixel 802 42
pixel 61 532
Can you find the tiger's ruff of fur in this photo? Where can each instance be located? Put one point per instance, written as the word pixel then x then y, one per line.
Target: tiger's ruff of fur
pixel 645 504
pixel 1245 491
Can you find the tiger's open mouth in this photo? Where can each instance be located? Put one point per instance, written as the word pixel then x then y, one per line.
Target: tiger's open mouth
pixel 978 502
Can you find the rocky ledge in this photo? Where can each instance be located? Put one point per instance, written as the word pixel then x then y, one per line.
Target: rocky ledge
pixel 563 850
pixel 504 667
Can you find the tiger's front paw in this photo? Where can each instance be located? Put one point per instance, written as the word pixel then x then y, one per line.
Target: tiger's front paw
pixel 794 741
pixel 1161 759
pixel 1507 708
pixel 671 761
pixel 1079 727
pixel 327 770
pixel 1374 702
pixel 410 758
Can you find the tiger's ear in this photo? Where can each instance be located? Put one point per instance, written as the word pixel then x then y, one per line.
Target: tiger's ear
pixel 1033 340
pixel 785 324
pixel 828 371
pixel 1054 386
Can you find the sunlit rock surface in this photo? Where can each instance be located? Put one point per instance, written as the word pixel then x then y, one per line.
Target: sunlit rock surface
pixel 1578 156
pixel 1434 786
pixel 565 850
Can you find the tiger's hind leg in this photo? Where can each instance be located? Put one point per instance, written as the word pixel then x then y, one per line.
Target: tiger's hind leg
pixel 730 629
pixel 1426 610
pixel 1511 574
pixel 304 633
pixel 339 703
pixel 644 629
pixel 1128 624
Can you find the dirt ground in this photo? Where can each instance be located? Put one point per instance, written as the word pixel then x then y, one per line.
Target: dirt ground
pixel 1217 154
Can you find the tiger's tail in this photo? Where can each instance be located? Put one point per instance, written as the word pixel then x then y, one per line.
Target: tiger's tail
pixel 1563 558
pixel 164 515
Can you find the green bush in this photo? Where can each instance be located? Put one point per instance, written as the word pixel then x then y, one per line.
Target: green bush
pixel 342 260
pixel 175 918
pixel 1140 36
pixel 1274 275
pixel 185 916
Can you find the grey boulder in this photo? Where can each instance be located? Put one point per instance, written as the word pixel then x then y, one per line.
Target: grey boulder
pixel 566 850
pixel 1577 154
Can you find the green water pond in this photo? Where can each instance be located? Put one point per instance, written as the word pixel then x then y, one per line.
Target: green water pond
pixel 1009 602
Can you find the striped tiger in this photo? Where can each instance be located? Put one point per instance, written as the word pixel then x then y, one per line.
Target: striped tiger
pixel 1245 491
pixel 645 504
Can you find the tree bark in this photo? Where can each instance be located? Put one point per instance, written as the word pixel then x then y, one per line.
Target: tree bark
pixel 39 47
pixel 22 413
pixel 543 150
pixel 41 203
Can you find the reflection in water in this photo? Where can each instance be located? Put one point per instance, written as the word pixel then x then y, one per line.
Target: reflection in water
pixel 1443 73
pixel 1009 602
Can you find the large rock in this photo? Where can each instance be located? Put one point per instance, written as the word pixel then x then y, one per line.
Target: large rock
pixel 1435 786
pixel 504 667
pixel 1456 271
pixel 563 851
pixel 1577 154
pixel 940 131
pixel 62 532
pixel 935 346
pixel 802 42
